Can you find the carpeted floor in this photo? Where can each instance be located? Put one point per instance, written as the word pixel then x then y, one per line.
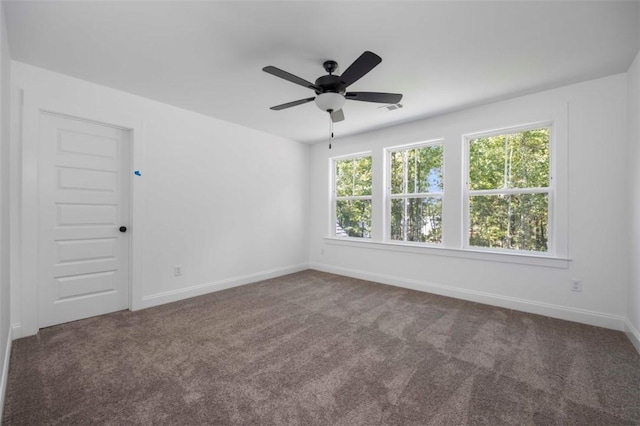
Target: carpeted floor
pixel 316 348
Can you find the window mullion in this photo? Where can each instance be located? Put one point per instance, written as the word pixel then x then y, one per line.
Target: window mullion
pixel 509 191
pixel 417 195
pixel 354 198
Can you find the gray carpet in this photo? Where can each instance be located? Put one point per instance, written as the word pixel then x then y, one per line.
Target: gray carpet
pixel 313 348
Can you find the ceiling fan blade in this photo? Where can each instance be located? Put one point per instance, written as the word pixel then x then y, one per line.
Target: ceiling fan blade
pixel 291 104
pixel 290 77
pixel 337 116
pixel 365 63
pixel 383 98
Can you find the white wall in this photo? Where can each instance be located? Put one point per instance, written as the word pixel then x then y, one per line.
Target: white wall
pixel 5 330
pixel 227 203
pixel 633 295
pixel 594 122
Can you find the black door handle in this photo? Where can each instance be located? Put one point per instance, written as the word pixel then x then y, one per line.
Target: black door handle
pixel 123 229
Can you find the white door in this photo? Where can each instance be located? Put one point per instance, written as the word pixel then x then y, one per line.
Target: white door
pixel 83 188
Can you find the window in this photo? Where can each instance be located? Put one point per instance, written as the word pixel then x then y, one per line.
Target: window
pixel 509 191
pixel 352 197
pixel 416 188
pixel 506 194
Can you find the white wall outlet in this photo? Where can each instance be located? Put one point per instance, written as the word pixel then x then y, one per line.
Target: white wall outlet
pixel 177 270
pixel 322 252
pixel 576 285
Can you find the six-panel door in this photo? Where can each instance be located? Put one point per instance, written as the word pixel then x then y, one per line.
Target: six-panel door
pixel 83 201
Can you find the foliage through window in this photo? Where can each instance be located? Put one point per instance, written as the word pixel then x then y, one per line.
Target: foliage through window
pixel 509 190
pixel 353 197
pixel 416 191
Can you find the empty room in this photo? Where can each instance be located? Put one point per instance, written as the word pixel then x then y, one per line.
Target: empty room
pixel 319 212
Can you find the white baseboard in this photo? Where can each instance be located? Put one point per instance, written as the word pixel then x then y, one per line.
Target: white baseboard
pixel 16 331
pixel 555 311
pixel 633 334
pixel 5 370
pixel 200 289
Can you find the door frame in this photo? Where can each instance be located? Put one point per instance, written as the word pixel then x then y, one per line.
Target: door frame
pixel 93 111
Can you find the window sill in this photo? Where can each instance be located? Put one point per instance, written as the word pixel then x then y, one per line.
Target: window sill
pixel 491 256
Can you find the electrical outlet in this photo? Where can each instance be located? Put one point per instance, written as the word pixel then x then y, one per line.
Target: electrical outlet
pixel 177 270
pixel 576 285
pixel 322 252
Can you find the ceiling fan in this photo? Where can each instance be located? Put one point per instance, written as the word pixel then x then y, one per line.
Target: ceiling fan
pixel 331 89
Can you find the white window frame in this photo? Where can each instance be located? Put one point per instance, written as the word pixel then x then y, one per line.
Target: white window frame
pixel 389 196
pixel 550 190
pixel 334 198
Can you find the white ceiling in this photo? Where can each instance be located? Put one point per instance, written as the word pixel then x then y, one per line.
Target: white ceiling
pixel 208 56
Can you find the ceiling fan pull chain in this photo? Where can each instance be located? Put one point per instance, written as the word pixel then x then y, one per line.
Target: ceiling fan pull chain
pixel 330 129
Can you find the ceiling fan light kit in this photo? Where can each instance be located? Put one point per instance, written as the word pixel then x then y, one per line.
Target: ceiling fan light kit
pixel 331 89
pixel 330 101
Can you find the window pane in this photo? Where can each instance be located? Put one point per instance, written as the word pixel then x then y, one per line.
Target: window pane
pixel 353 218
pixel 353 177
pixel 516 160
pixel 517 222
pixel 362 176
pixel 425 169
pixel 417 219
pixel 344 178
pixel 397 172
pixel 418 170
pixel 529 164
pixel 486 163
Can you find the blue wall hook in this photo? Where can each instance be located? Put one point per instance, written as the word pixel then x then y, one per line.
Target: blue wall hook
pixel 137 173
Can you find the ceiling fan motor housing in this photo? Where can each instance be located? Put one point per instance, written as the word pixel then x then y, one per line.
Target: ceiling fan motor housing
pixel 330 83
